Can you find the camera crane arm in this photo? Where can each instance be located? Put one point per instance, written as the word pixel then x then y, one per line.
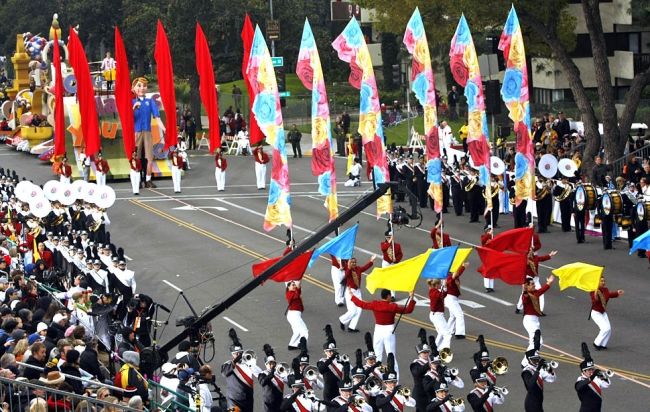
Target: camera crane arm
pixel 160 354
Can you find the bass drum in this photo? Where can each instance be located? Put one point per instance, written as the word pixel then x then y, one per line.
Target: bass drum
pixel 643 210
pixel 586 197
pixel 612 203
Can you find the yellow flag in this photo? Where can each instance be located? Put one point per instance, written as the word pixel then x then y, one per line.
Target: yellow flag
pixel 37 255
pixel 400 277
pixel 460 258
pixel 579 275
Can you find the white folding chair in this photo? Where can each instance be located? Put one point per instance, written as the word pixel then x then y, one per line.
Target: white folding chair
pixel 203 142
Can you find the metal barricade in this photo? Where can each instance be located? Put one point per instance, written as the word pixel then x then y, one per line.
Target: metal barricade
pixel 169 401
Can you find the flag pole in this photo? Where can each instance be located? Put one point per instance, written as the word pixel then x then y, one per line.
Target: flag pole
pixel 408 300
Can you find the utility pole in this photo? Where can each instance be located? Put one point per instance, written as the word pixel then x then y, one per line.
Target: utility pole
pixel 272 41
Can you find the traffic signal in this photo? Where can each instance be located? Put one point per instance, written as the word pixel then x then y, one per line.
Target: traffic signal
pixel 281 79
pixel 397 75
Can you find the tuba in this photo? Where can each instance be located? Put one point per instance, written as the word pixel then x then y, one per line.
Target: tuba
pixel 499 365
pixel 566 192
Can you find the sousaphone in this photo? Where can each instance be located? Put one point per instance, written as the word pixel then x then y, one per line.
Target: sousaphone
pixel 52 189
pixel 567 167
pixel 105 197
pixel 22 189
pixel 547 166
pixel 67 195
pixel 497 167
pixel 40 207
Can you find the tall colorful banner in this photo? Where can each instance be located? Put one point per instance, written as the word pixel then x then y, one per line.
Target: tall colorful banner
pixel 351 48
pixel 309 71
pixel 85 94
pixel 514 92
pixel 466 72
pixel 267 110
pixel 165 72
pixel 59 116
pixel 247 33
pixel 207 86
pixel 124 95
pixel 424 87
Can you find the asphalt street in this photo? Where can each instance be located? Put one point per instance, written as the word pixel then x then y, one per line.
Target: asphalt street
pixel 205 242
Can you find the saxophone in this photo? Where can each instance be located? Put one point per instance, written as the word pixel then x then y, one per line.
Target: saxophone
pixel 494 187
pixel 541 193
pixel 472 180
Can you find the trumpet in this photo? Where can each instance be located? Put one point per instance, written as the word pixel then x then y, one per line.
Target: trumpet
pixel 249 357
pixel 405 392
pixel 453 372
pixel 499 365
pixel 309 393
pixel 549 366
pixel 282 370
pixel 310 373
pixel 605 374
pixel 344 358
pixel 358 401
pixel 373 382
pixel 446 355
pixel 501 391
pixel 457 402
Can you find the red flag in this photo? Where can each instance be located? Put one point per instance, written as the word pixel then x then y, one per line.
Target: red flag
pixel 254 133
pixel 515 240
pixel 85 94
pixel 124 95
pixel 207 86
pixel 59 117
pixel 509 267
pixel 165 72
pixel 293 271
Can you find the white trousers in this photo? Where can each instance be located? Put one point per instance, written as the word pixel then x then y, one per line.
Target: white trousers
pixel 135 181
pixel 351 317
pixel 351 182
pixel 456 322
pixel 220 178
pixel 443 339
pixel 602 321
pixel 298 327
pixel 520 305
pixel 101 179
pixel 176 178
pixel 383 340
pixel 488 283
pixel 531 324
pixel 260 175
pixel 339 290
pixel 64 179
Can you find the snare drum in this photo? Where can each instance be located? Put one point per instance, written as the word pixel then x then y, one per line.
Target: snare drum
pixel 612 203
pixel 586 196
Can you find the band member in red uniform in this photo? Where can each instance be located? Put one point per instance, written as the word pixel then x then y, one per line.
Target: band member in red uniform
pixel 294 314
pixel 532 271
pixel 437 294
pixel 101 165
pixel 353 283
pixel 439 236
pixel 456 321
pixel 134 172
pixel 391 250
pixel 65 171
pixel 177 168
pixel 487 235
pixel 261 159
pixel 599 300
pixel 532 312
pixel 220 170
pixel 384 311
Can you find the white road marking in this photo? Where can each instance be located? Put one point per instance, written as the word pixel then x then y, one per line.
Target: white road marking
pixel 188 207
pixel 171 285
pixel 233 186
pixel 470 303
pixel 127 258
pixel 166 198
pixel 235 323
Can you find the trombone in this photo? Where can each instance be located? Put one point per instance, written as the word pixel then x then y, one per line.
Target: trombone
pixel 446 355
pixel 499 365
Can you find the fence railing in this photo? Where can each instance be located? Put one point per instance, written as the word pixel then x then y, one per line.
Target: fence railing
pixel 618 164
pixel 170 402
pixel 20 394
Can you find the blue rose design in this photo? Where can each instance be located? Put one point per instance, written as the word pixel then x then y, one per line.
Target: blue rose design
pixel 521 166
pixel 280 139
pixel 366 98
pixel 434 168
pixel 484 124
pixel 315 98
pixel 264 108
pixel 462 31
pixel 511 89
pixel 307 41
pixel 483 176
pixel 379 176
pixel 325 184
pixel 420 87
pixel 274 192
pixel 471 92
pixel 415 24
pixel 353 34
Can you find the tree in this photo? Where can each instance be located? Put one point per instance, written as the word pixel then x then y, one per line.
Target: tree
pixel 548 31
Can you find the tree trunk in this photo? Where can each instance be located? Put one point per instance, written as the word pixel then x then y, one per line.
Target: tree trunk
pixel 612 142
pixel 195 100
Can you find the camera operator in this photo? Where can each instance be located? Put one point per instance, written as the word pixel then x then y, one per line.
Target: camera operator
pixel 188 354
pixel 139 312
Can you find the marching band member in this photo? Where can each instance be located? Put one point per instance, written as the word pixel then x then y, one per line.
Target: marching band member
pixel 384 311
pixel 220 170
pixel 544 203
pixel 353 283
pixel 419 368
pixel 482 362
pixel 240 377
pixel 456 321
pixel 483 397
pixel 492 216
pixel 371 367
pixel 65 171
pixel 271 381
pixel 177 169
pixel 536 372
pixel 437 294
pixel 439 238
pixel 457 192
pixel 532 311
pixel 359 388
pixel 393 398
pixel 599 300
pixel 532 271
pixel 302 361
pixel 442 401
pixel 590 383
pixel 135 165
pixel 298 400
pixel 102 169
pixel 345 399
pixel 261 159
pixel 337 271
pixel 485 239
pixel 330 367
pixel 294 315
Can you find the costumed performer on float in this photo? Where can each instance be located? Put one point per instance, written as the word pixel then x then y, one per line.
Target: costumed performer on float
pixel 143 109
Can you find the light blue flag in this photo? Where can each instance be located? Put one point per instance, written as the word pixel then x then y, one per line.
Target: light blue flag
pixel 439 263
pixel 341 246
pixel 641 242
